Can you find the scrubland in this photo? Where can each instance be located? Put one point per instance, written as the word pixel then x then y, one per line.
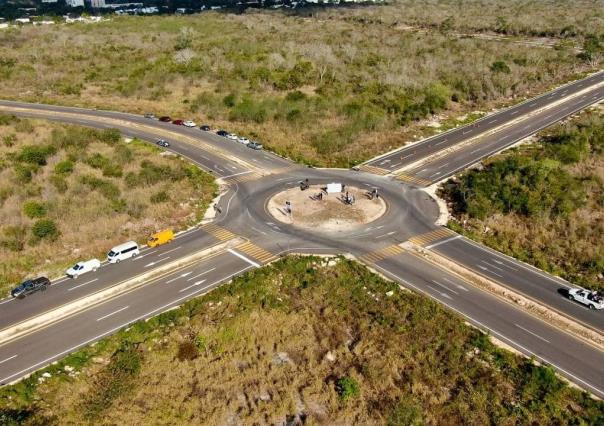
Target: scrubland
pixel 70 193
pixel 330 87
pixel 542 203
pixel 301 340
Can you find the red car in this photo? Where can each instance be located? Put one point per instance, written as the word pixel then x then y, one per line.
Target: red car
pixel 178 122
pixel 165 119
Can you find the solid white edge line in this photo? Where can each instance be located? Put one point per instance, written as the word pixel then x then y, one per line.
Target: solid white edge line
pixel 527 351
pixel 242 257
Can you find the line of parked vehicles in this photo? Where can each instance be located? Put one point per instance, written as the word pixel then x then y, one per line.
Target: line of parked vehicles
pixel 206 128
pixel 118 253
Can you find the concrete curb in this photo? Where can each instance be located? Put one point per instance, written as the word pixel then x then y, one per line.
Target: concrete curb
pixel 530 306
pixel 57 314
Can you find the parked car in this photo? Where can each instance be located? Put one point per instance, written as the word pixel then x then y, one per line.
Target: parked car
pixel 149 115
pixel 205 127
pixel 243 140
pixel 254 145
pixel 83 267
pixel 178 122
pixel 189 123
pixel 165 119
pixel 592 299
pixel 222 133
pixel 232 136
pixel 123 252
pixel 163 142
pixel 161 237
pixel 28 287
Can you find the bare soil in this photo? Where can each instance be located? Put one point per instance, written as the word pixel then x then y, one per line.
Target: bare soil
pixel 330 214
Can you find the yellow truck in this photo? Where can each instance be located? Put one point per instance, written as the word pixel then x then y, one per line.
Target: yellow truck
pixel 161 237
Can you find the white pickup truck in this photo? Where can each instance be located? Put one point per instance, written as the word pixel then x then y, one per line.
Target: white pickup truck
pixel 592 299
pixel 83 267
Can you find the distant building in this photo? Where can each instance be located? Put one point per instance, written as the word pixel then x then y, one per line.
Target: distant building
pixel 96 4
pixel 75 3
pixel 50 1
pixel 22 21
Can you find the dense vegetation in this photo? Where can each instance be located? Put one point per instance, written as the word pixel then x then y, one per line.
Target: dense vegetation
pixel 299 340
pixel 69 193
pixel 335 87
pixel 544 203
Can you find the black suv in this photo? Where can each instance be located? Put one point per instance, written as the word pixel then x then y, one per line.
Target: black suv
pixel 222 133
pixel 205 128
pixel 30 286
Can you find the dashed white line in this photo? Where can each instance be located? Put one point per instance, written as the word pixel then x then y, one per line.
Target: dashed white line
pixel 444 286
pixel 530 332
pixel 514 112
pixel 504 264
pixel 7 300
pixel 444 165
pixel 156 261
pixel 488 270
pixel 395 165
pixel 441 142
pixel 199 275
pixel 459 286
pixel 491 265
pixel 445 295
pixel 8 359
pixel 195 284
pixel 434 174
pixel 186 274
pixel 385 235
pixel 492 121
pixel 169 251
pixel 237 174
pixel 140 257
pixel 442 242
pixel 81 285
pixel 112 313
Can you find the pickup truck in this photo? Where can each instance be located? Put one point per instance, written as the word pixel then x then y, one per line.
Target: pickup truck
pixel 83 267
pixel 29 287
pixel 592 299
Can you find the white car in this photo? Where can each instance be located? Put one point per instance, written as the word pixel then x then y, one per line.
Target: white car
pixel 83 267
pixel 243 140
pixel 189 123
pixel 592 299
pixel 232 136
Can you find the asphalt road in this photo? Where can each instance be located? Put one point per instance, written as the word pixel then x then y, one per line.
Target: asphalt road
pixel 411 154
pixel 253 177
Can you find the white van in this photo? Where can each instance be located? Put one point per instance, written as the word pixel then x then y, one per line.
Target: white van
pixel 123 252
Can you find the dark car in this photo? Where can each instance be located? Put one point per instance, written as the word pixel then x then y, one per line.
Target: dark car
pixel 178 122
pixel 163 142
pixel 149 115
pixel 30 286
pixel 205 128
pixel 165 119
pixel 222 133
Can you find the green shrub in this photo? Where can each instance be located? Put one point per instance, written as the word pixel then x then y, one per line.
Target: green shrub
pixel 9 140
pixel 64 167
pixel 500 66
pixel 347 388
pixel 23 173
pixel 13 238
pixel 34 209
pixel 97 161
pixel 35 154
pixel 24 126
pixel 59 183
pixel 112 170
pixel 6 119
pixel 45 228
pixel 406 413
pixel 229 100
pixel 160 197
pixel 106 188
pixel 110 136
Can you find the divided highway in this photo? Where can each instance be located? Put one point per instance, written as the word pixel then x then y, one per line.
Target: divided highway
pixel 255 176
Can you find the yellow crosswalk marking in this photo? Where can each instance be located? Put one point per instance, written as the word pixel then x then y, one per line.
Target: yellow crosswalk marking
pixel 413 179
pixel 429 237
pixel 246 177
pixel 256 252
pixel 381 254
pixel 217 231
pixel 373 169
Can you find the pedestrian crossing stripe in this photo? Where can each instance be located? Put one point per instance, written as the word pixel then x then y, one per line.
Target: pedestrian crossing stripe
pixel 256 252
pixel 373 169
pixel 381 254
pixel 217 231
pixel 413 179
pixel 429 237
pixel 243 177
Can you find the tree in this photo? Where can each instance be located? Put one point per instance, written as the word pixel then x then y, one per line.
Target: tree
pixel 45 228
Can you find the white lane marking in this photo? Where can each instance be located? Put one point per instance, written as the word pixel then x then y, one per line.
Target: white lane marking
pixel 8 359
pixel 81 285
pixel 434 174
pixel 385 235
pixel 7 300
pixel 530 332
pixel 186 274
pixel 492 121
pixel 395 165
pixel 442 242
pixel 459 286
pixel 236 174
pixel 155 262
pixel 528 126
pixel 169 251
pixel 527 351
pixel 199 275
pixel 476 150
pixel 488 270
pixel 66 278
pixel 140 257
pixel 422 170
pixel 444 165
pixel 504 264
pixel 195 284
pixel 242 257
pixel 563 109
pixel 491 265
pixel 533 104
pixel 204 157
pixel 384 162
pixel 441 142
pixel 379 227
pixel 112 313
pixel 441 293
pixel 466 132
pixel 444 286
pixel 514 112
pixel 233 167
pixel 258 230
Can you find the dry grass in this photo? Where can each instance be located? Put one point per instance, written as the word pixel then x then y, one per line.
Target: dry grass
pixel 89 222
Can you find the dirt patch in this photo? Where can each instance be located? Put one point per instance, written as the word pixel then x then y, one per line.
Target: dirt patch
pixel 328 212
